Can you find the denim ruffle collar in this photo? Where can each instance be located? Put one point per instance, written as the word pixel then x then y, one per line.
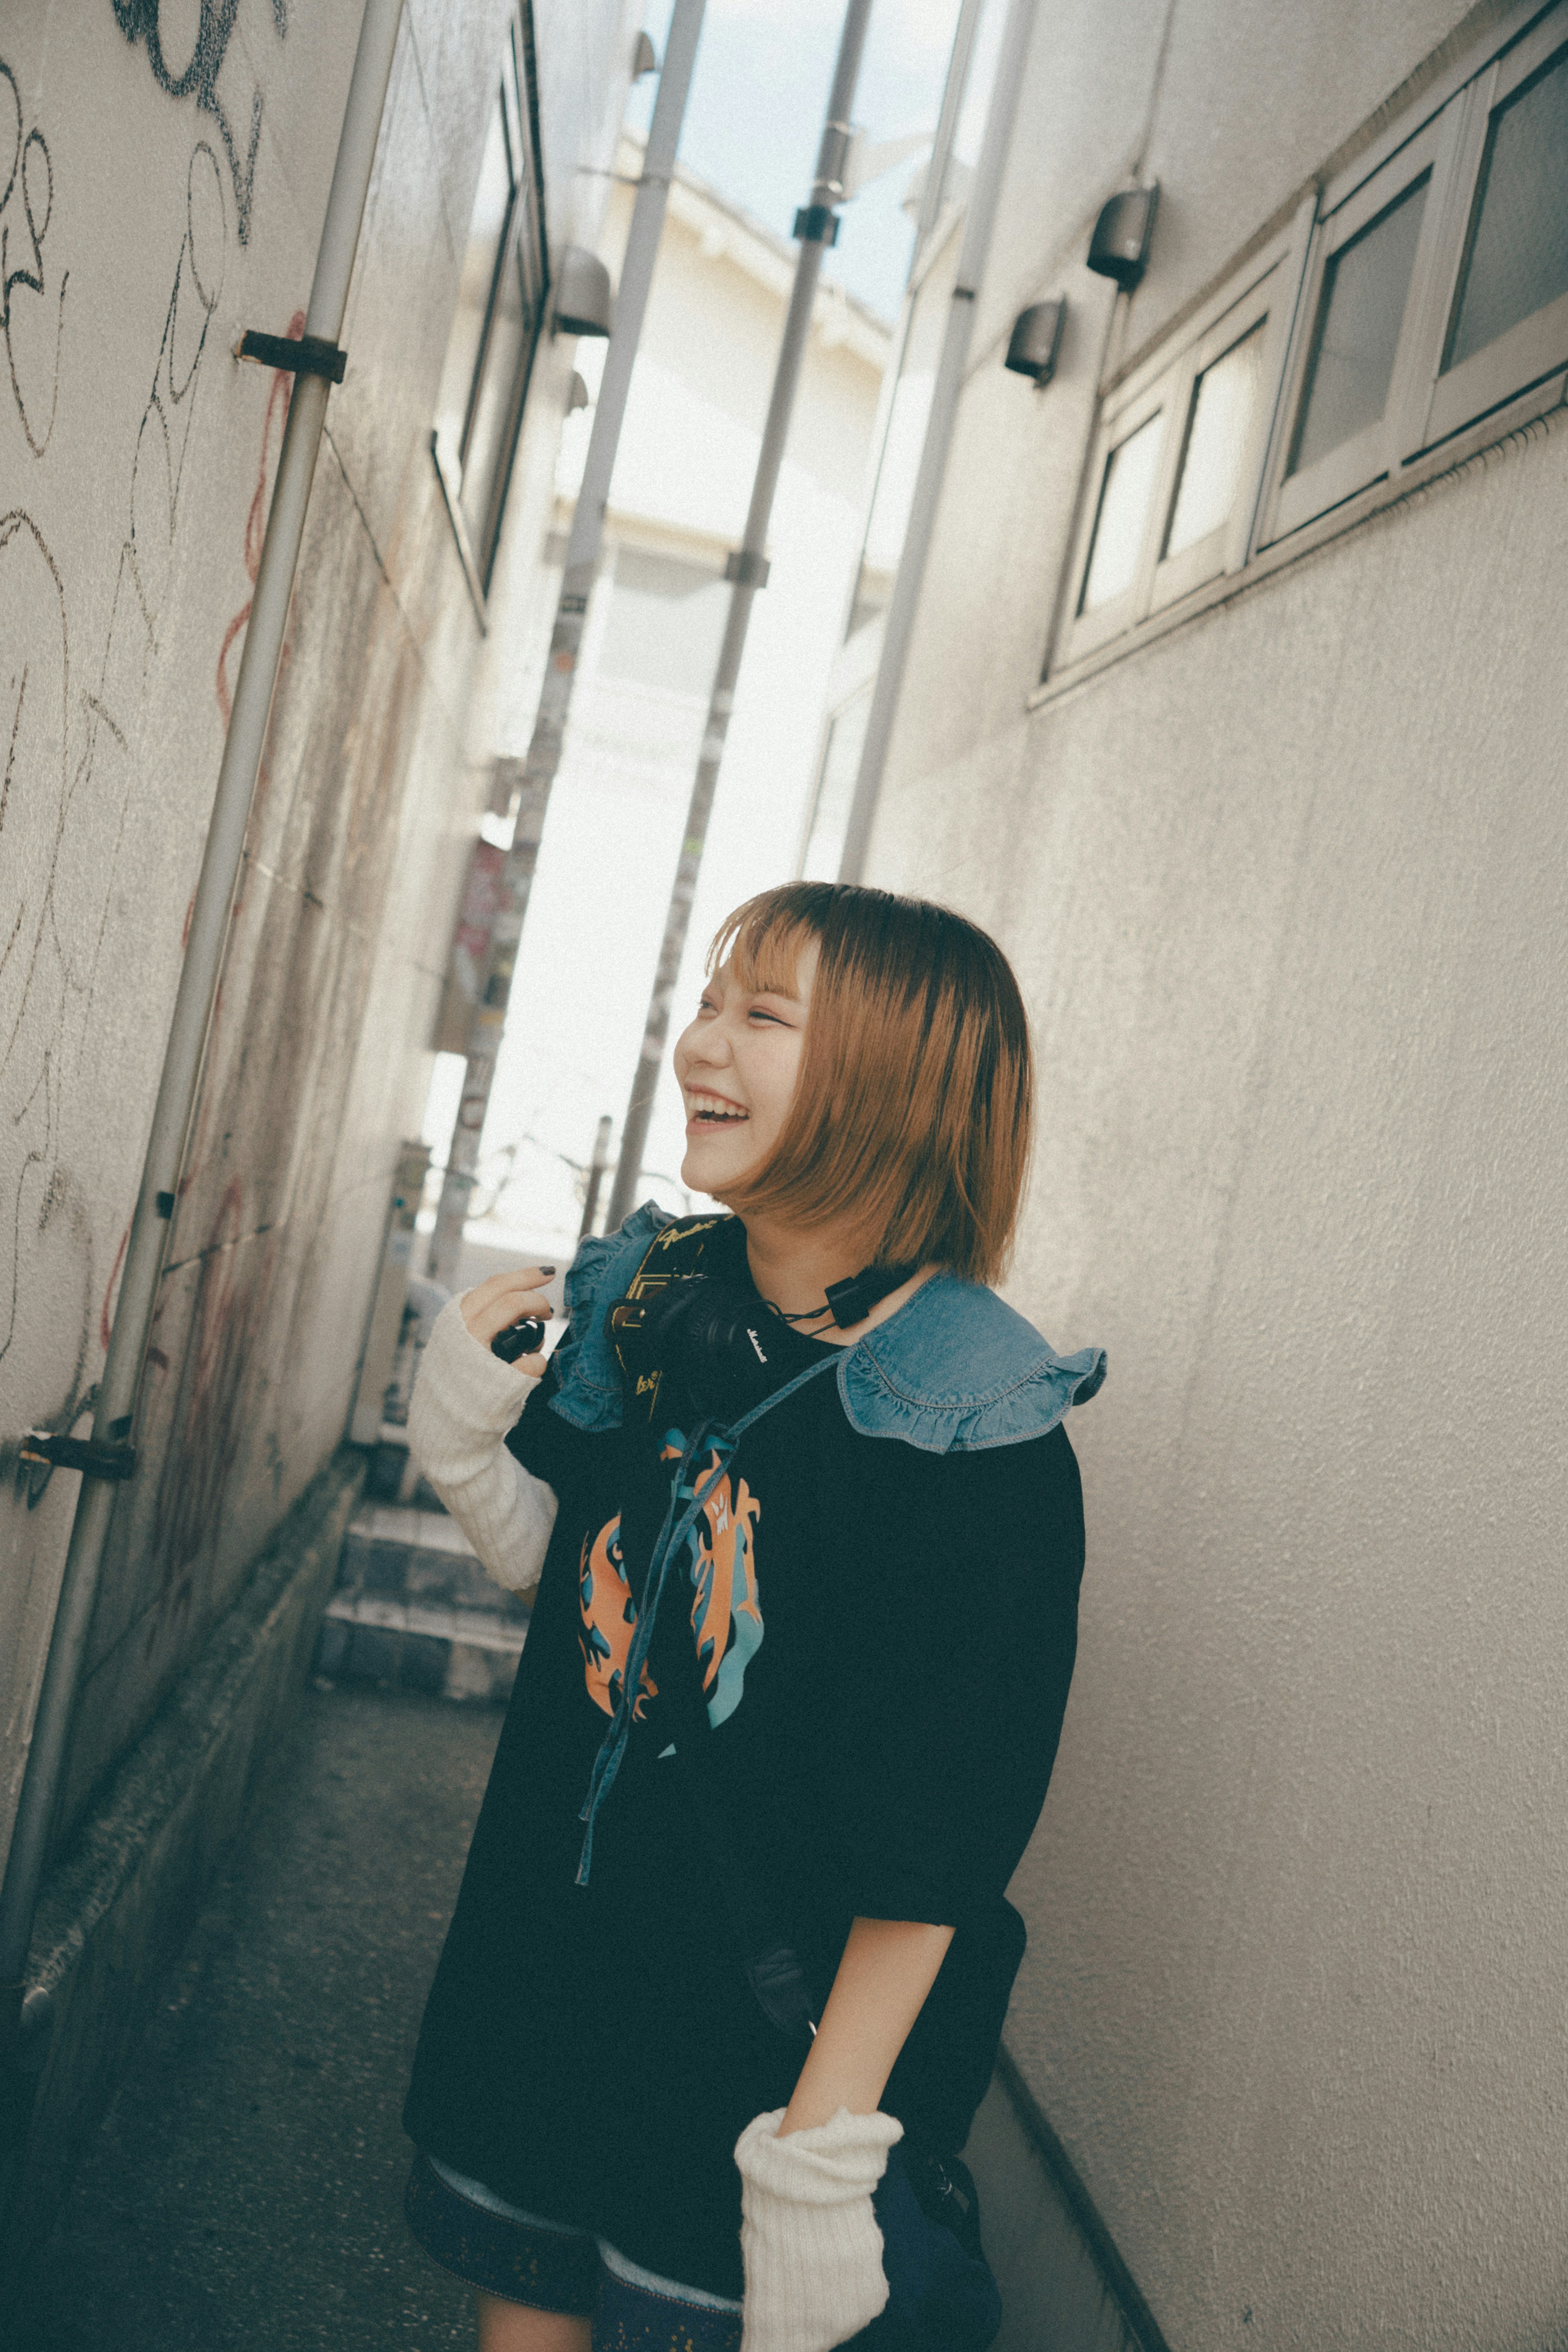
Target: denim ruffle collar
pixel 955 1371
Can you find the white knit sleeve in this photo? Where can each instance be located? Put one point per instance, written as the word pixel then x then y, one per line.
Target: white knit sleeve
pixel 808 2234
pixel 464 1400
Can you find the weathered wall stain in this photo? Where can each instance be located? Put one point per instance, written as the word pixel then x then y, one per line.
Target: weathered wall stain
pixel 199 77
pixel 206 1409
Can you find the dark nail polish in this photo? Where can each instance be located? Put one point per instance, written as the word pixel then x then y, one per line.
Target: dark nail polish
pixel 547 1269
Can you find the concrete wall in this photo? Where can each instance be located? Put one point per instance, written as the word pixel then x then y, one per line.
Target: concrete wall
pixel 1286 892
pixel 136 458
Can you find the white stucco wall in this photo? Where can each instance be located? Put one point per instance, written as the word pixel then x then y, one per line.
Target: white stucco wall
pixel 1286 892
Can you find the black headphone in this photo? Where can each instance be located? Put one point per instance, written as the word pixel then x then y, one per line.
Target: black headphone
pixel 724 1349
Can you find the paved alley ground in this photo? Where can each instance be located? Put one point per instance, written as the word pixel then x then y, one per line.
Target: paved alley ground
pixel 245 2189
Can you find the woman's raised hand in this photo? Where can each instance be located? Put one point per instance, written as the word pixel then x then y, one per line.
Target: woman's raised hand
pixel 505 1299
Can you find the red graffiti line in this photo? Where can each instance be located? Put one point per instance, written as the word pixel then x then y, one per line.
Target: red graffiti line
pixel 272 426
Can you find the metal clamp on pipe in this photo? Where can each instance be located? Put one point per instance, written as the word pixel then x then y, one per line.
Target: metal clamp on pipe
pixel 300 354
pixel 94 1457
pixel 816 224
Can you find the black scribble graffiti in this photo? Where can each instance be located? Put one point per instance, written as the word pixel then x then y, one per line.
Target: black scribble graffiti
pixel 199 76
pixel 69 755
pixel 26 312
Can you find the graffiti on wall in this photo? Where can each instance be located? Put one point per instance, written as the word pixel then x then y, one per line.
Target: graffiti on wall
pixel 67 726
pixel 32 297
pixel 205 74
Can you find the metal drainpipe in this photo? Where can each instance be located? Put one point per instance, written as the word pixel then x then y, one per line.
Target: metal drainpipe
pixel 116 1406
pixel 899 627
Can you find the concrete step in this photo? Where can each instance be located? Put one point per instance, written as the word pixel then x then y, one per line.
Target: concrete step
pixel 413 1609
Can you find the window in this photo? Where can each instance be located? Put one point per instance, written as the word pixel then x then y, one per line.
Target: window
pixel 490 350
pixel 1438 285
pixel 1508 320
pixel 1175 471
pixel 1425 287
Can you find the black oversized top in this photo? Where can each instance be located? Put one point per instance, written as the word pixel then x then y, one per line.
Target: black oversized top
pixel 884 1638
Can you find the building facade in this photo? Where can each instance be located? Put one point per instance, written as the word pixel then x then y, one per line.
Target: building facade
pixel 153 207
pixel 682 476
pixel 1234 711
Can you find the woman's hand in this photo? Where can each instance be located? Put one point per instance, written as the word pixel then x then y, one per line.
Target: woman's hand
pixel 505 1299
pixel 808 2236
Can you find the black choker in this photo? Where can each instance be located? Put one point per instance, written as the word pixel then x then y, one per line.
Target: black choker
pixel 852 1301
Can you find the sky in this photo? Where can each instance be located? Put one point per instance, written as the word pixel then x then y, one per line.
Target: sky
pixel 756 106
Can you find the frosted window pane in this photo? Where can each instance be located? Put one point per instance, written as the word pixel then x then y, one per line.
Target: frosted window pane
pixel 1124 498
pixel 1519 252
pixel 1359 318
pixel 1224 402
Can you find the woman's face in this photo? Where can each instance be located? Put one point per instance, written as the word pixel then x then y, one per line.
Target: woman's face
pixel 736 1065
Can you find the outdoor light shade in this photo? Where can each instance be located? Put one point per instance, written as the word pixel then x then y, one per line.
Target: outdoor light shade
pixel 582 300
pixel 644 57
pixel 1032 345
pixel 576 394
pixel 1119 247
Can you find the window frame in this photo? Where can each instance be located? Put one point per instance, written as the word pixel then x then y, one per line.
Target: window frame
pixel 1377 450
pixel 1265 291
pixel 523 246
pixel 1520 374
pixel 1537 346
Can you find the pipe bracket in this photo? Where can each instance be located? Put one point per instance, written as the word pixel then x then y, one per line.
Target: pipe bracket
pixel 816 224
pixel 300 354
pixel 94 1457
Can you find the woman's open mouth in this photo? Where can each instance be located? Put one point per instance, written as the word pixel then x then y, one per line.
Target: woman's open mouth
pixel 706 1114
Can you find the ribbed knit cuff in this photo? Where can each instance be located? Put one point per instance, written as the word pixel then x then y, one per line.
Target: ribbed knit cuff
pixel 464 1400
pixel 808 2236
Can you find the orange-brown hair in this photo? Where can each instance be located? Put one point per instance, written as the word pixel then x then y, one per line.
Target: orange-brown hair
pixel 911 1109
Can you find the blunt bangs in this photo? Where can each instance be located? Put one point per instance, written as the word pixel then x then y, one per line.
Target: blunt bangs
pixel 912 1113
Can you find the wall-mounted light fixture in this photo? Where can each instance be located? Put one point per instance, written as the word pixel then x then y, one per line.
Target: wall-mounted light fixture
pixel 582 300
pixel 1119 247
pixel 644 57
pixel 1033 343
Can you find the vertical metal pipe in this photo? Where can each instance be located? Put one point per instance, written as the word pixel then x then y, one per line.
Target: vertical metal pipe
pixel 595 1176
pixel 899 625
pixel 748 570
pixel 194 1000
pixel 489 1019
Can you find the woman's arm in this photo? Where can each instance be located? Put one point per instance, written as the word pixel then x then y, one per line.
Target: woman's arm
pixel 809 2232
pixel 888 1968
pixel 464 1400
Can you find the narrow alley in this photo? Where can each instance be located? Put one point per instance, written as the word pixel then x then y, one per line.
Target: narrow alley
pixel 246 2186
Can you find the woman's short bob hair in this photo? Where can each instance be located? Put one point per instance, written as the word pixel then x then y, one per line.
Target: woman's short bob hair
pixel 913 1106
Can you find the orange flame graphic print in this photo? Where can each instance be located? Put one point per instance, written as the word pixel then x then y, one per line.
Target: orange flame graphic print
pixel 609 1622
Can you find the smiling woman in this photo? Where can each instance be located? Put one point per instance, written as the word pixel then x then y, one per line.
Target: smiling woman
pixel 728 1973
